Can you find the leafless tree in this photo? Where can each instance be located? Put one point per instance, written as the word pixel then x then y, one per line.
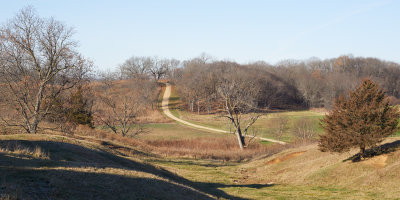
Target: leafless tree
pixel 38 62
pixel 239 94
pixel 160 67
pixel 281 125
pixel 119 107
pixel 305 129
pixel 137 67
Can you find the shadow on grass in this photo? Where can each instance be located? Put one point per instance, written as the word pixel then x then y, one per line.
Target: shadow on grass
pixel 29 176
pixel 26 183
pixel 376 151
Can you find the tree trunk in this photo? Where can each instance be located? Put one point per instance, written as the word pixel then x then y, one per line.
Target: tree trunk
pixel 240 138
pixel 36 109
pixel 198 107
pixel 208 106
pixel 362 152
pixel 34 127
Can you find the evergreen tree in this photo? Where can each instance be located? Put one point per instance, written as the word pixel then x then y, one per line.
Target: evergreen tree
pixel 362 119
pixel 79 110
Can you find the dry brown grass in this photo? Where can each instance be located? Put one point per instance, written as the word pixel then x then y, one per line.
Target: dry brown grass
pixel 311 167
pixel 106 135
pixel 153 116
pixel 81 169
pixel 222 148
pixel 16 148
pixel 8 197
pixel 217 148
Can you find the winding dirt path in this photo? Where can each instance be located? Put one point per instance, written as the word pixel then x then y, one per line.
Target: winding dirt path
pixel 167 112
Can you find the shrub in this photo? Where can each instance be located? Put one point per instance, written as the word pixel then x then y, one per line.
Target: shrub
pixel 362 119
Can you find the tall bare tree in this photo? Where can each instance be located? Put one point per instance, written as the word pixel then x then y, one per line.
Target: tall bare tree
pixel 38 61
pixel 239 94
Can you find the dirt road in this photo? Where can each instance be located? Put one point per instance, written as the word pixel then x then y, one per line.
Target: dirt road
pixel 167 112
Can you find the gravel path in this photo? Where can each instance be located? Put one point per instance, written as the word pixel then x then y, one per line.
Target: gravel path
pixel 168 113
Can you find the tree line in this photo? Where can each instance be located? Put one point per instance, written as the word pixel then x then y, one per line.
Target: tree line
pixel 288 84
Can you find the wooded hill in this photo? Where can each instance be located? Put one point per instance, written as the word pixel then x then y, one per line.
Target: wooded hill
pixel 290 84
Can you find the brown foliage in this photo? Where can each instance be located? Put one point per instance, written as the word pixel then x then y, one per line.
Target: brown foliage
pixel 361 120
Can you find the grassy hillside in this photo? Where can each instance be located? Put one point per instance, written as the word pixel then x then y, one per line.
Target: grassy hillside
pixel 55 167
pixel 59 167
pixel 301 173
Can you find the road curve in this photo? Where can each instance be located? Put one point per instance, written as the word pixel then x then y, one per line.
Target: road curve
pixel 167 112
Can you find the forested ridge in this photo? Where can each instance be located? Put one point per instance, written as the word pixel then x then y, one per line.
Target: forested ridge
pixel 289 84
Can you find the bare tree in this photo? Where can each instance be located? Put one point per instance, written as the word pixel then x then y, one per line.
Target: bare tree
pixel 160 67
pixel 38 61
pixel 281 124
pixel 119 107
pixel 305 129
pixel 239 94
pixel 137 67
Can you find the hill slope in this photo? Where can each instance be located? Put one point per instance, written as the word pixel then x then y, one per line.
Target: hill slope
pixel 55 167
pixel 377 176
pixel 58 167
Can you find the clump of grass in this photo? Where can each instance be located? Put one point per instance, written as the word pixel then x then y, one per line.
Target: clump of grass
pixel 20 149
pixel 7 197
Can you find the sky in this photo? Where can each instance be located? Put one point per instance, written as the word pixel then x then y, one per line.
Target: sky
pixel 109 32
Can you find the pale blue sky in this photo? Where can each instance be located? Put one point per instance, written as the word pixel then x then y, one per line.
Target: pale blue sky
pixel 111 31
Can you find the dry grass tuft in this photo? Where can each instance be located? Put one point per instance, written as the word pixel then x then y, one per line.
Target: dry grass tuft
pixel 20 149
pixel 7 197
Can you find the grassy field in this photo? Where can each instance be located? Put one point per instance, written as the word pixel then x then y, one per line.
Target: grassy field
pixel 85 168
pixel 264 127
pixel 171 131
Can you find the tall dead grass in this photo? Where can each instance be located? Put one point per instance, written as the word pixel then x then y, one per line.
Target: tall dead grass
pixel 225 148
pixel 20 149
pixel 218 148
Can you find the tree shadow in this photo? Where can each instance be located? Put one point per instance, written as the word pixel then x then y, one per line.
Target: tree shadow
pixel 376 151
pixel 17 169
